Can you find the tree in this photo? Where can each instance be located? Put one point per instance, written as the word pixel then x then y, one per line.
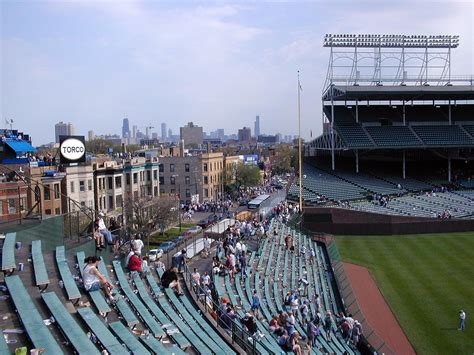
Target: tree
pixel 285 159
pixel 98 146
pixel 247 175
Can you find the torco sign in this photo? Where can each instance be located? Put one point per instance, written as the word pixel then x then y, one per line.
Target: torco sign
pixel 72 149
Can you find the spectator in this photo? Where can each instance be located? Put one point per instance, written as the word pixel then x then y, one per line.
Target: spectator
pixel 207 246
pixel 99 239
pixel 228 317
pixel 178 260
pixel 103 229
pixel 255 304
pixel 135 263
pixel 137 244
pixel 273 324
pixel 93 279
pixel 206 280
pixel 249 322
pixel 293 343
pixel 159 264
pixel 283 341
pixel 169 279
pixel 356 333
pixel 243 265
pixel 290 323
pixel 312 331
pixel 328 324
pixel 462 320
pixel 196 279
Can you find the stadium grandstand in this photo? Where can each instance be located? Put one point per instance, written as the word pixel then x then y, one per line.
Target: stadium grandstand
pixel 398 132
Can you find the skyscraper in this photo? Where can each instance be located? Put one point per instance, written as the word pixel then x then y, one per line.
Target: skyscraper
pixel 163 132
pixel 63 129
pixel 191 134
pixel 257 126
pixel 245 134
pixel 125 128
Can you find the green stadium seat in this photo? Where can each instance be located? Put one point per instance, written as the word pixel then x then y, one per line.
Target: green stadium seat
pixel 121 331
pixel 68 325
pixel 103 334
pixel 8 253
pixel 41 274
pixel 31 319
pixel 68 280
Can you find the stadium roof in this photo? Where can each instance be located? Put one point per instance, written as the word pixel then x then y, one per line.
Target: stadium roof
pixel 371 92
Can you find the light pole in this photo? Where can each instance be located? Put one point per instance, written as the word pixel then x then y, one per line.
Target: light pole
pixel 178 200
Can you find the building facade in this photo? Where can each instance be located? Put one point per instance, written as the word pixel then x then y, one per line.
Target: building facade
pixel 63 129
pixel 191 134
pixel 257 126
pixel 245 134
pixel 78 185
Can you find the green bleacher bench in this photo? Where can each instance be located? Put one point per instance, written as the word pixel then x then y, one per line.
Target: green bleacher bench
pixel 69 283
pixel 37 331
pixel 100 330
pixel 4 346
pixel 174 333
pixel 41 274
pixel 8 254
pixel 72 331
pixel 96 296
pixel 128 338
pixel 158 348
pixel 143 312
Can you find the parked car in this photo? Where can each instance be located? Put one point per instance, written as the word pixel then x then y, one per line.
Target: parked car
pixel 195 230
pixel 177 239
pixel 167 246
pixel 206 222
pixel 155 254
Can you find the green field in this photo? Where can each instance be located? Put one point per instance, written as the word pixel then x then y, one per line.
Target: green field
pixel 426 280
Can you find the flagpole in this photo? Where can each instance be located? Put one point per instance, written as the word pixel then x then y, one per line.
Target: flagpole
pixel 299 145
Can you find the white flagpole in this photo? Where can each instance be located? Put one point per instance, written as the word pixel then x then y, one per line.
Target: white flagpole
pixel 299 145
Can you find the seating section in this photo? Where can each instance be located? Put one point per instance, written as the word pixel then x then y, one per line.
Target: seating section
pixel 277 271
pixel 353 135
pixel 443 135
pixel 66 276
pixel 31 319
pixel 431 205
pixel 393 136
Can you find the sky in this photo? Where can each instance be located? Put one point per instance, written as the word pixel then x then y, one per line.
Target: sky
pixel 217 64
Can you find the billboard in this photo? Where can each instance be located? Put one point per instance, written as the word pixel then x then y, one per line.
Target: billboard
pixel 250 159
pixel 72 149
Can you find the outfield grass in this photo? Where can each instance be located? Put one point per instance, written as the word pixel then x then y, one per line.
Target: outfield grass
pixel 426 280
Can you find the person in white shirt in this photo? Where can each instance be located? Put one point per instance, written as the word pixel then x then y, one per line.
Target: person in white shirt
pixel 103 229
pixel 238 249
pixel 206 279
pixel 93 280
pixel 137 244
pixel 462 320
pixel 196 278
pixel 207 246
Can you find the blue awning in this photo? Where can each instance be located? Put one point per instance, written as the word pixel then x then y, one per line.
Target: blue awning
pixel 21 146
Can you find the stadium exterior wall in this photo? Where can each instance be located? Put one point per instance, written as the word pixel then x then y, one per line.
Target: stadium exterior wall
pixel 348 222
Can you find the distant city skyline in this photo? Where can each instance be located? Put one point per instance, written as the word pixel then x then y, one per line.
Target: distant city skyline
pixel 94 63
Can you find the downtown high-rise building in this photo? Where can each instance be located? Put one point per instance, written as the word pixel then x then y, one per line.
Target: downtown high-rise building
pixel 257 126
pixel 163 132
pixel 125 128
pixel 63 129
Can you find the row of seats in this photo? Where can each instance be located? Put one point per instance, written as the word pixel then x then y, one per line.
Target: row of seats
pixel 139 306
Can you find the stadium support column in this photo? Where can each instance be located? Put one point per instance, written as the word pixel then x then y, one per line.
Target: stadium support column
pixel 357 161
pixel 404 166
pixel 449 169
pixel 333 158
pixel 449 111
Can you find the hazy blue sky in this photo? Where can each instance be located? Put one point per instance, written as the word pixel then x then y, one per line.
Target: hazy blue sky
pixel 217 64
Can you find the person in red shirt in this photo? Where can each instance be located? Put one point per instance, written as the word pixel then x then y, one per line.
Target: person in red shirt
pixel 135 263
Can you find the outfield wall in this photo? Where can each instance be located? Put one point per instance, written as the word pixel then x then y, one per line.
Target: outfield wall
pixel 349 222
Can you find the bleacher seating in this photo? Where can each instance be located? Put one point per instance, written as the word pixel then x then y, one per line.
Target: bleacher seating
pixel 353 135
pixel 68 280
pixel 443 135
pixel 41 275
pixel 8 253
pixel 393 136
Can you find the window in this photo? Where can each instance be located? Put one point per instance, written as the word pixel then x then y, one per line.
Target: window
pixel 148 175
pixel 188 193
pixel 135 178
pixel 82 186
pixel 47 211
pixel 111 202
pixel 47 193
pixel 161 168
pixel 58 211
pixel 171 168
pixel 155 191
pixel 172 180
pixel 83 204
pixel 205 167
pixel 162 180
pixel 11 206
pixel 22 204
pixel 110 181
pixel 37 193
pixel 56 191
pixel 206 180
pixel 89 185
pixel 127 179
pixel 118 182
pixel 149 191
pixel 206 193
pixel 172 191
pixel 135 194
pixel 187 180
pixel 162 191
pixel 71 186
pixel 118 200
pixel 155 174
pixel 186 167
